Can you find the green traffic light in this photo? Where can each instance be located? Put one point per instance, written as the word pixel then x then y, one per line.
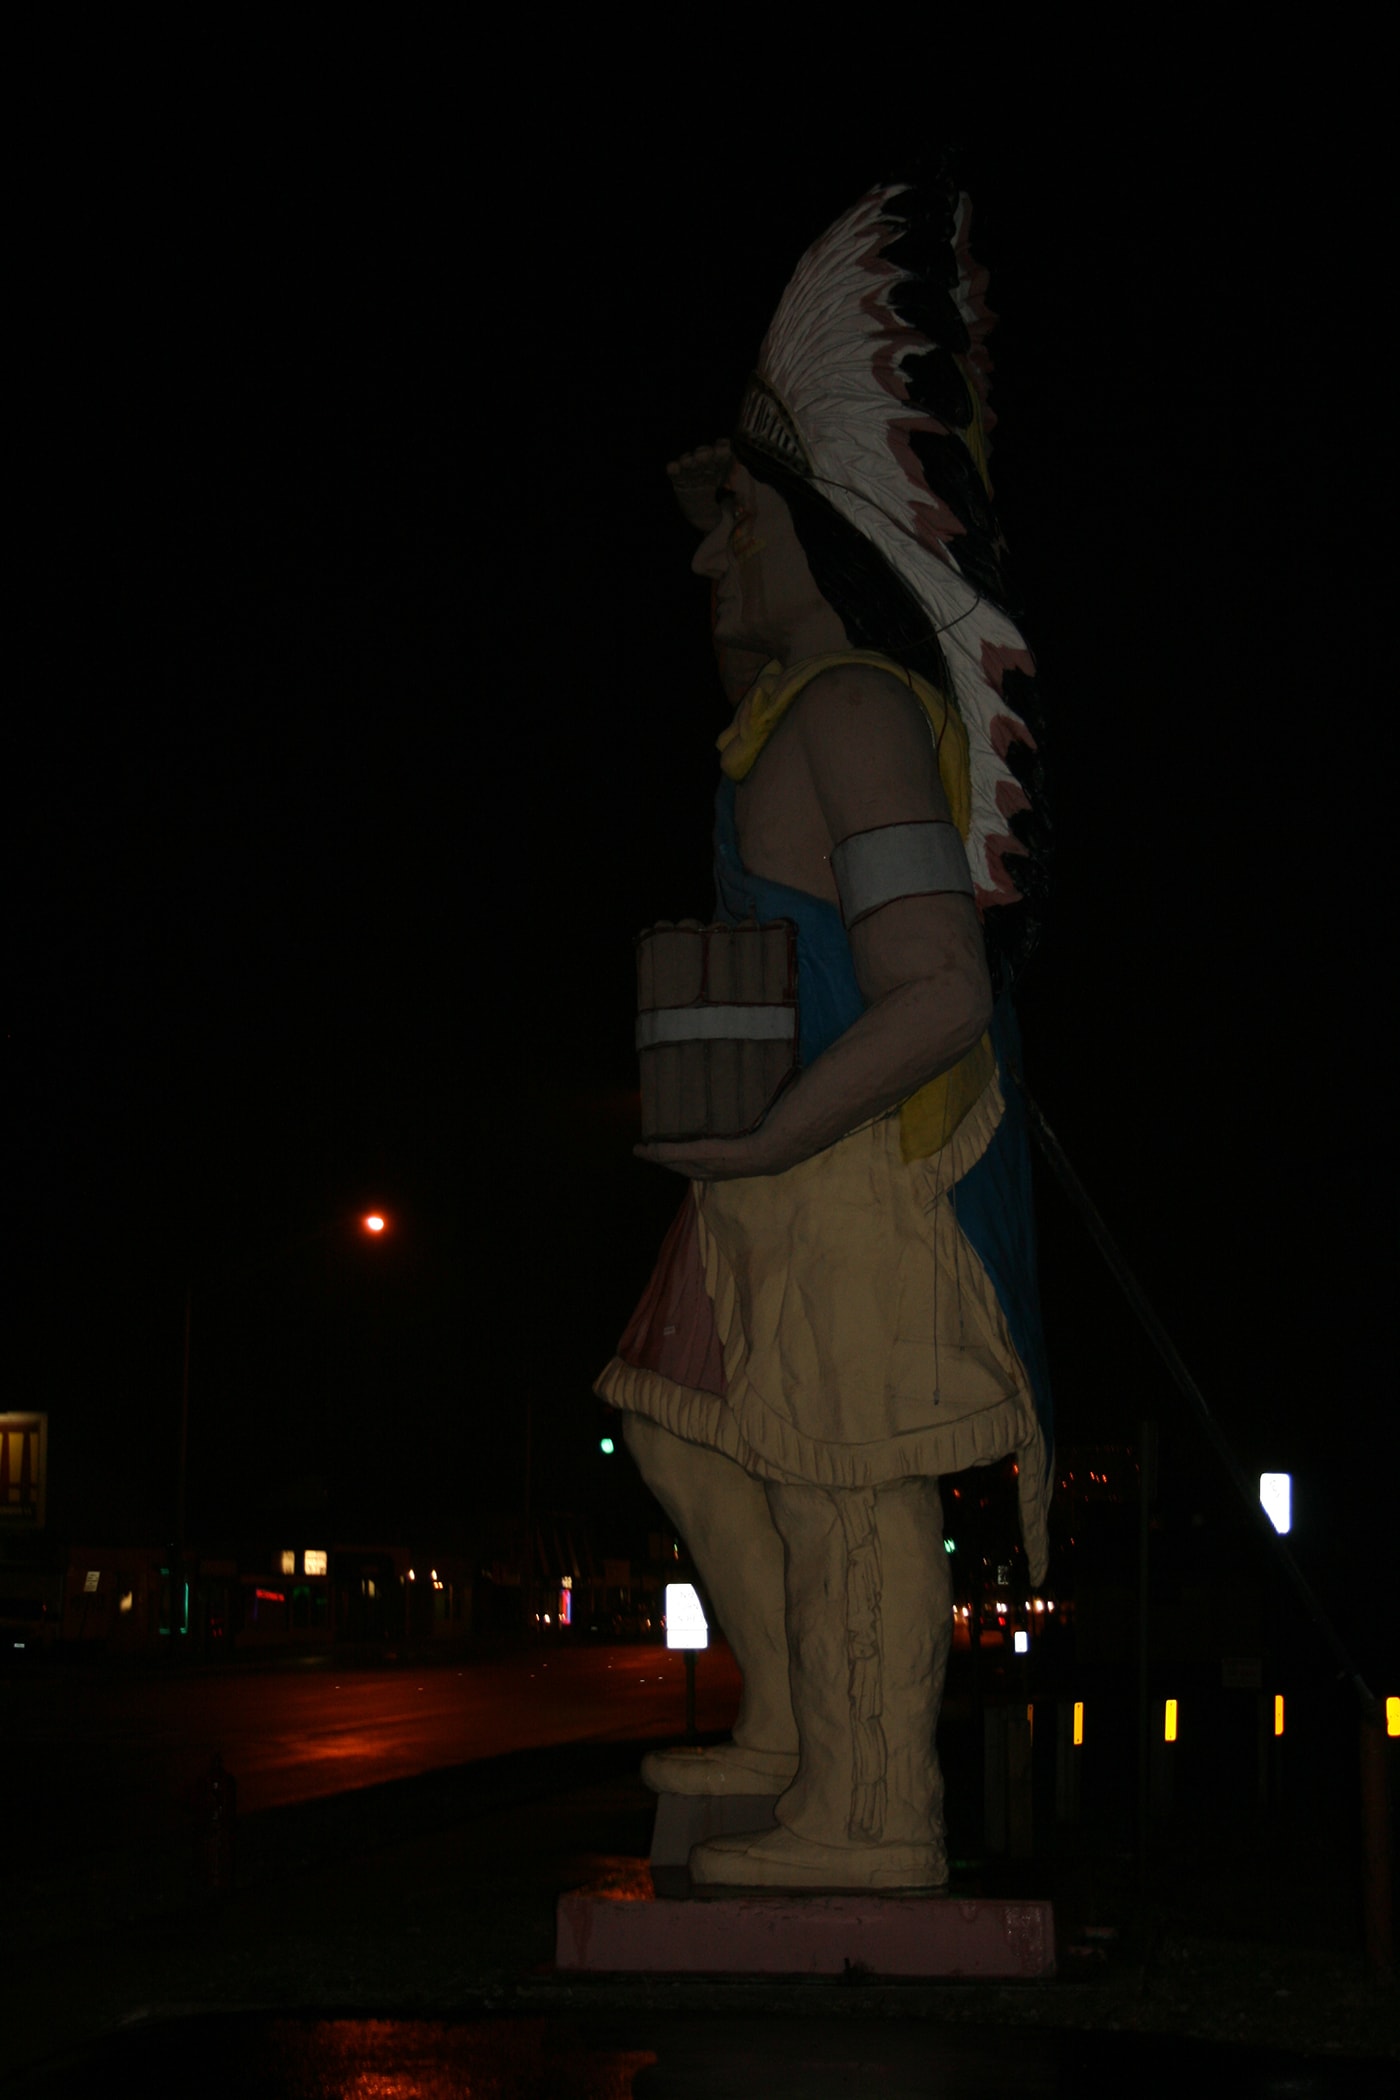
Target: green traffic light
pixel 606 1446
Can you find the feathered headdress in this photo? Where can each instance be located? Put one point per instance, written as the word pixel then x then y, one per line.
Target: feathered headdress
pixel 872 385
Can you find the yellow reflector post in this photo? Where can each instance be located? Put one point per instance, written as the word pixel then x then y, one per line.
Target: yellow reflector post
pixel 1078 1722
pixel 1169 1724
pixel 1278 1713
pixel 1392 1716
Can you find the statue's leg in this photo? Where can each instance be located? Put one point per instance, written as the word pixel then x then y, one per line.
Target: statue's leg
pixel 722 1514
pixel 869 1617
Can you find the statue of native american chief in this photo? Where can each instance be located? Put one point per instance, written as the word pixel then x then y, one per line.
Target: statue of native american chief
pixel 846 1306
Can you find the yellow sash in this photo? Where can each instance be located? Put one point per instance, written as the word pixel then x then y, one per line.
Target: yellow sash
pixel 927 1119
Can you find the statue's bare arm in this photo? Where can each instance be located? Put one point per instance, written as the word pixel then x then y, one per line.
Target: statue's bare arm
pixel 860 755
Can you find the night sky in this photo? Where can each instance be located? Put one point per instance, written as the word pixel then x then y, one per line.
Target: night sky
pixel 370 714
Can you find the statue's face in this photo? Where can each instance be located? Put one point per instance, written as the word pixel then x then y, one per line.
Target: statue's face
pixel 765 599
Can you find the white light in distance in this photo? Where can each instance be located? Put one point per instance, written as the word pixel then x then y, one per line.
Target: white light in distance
pixel 1276 1494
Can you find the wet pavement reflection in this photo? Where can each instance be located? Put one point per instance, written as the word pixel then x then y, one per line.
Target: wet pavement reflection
pixel 660 2058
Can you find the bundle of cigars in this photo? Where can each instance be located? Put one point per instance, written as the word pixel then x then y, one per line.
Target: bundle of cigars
pixel 717 1029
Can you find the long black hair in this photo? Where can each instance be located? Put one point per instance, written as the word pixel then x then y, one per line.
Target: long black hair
pixel 880 612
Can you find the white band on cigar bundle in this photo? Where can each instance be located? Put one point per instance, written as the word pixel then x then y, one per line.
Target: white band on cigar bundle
pixel 709 1024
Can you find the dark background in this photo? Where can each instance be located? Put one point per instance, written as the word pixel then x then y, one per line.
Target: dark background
pixel 369 714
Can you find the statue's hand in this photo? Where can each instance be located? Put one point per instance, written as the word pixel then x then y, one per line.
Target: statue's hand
pixel 718 1159
pixel 695 476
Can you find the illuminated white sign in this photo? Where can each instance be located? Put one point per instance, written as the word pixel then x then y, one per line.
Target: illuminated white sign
pixel 1276 1494
pixel 686 1625
pixel 315 1561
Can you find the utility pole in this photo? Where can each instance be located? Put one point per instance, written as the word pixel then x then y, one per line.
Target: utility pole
pixel 527 1559
pixel 1147 1495
pixel 183 1473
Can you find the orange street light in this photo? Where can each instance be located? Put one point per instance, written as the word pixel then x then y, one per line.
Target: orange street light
pixel 374 1223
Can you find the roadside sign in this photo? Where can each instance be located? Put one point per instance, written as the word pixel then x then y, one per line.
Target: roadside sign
pixel 686 1624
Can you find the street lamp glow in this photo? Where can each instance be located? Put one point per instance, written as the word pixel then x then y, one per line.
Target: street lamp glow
pixel 1276 1494
pixel 374 1223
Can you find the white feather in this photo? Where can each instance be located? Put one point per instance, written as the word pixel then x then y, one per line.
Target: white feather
pixel 833 357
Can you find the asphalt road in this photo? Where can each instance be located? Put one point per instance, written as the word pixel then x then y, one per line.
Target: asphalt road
pixel 402 1904
pixel 578 2058
pixel 291 1735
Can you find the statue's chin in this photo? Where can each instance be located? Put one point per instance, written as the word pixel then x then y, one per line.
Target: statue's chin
pixel 739 665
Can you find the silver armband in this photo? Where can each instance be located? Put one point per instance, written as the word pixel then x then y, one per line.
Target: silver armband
pixel 898 860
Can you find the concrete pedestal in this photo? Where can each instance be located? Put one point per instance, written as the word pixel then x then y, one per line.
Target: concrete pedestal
pixel 623 1927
